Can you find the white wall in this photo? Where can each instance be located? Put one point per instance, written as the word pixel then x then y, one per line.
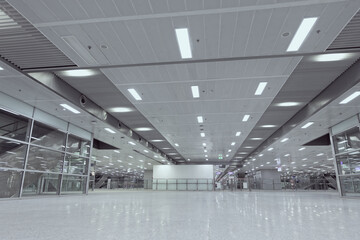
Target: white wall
pixel 183 171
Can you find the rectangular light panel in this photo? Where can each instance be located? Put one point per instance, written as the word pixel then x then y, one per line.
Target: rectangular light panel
pixel 202 134
pixel 71 109
pixel 200 119
pixel 307 125
pixel 246 118
pixel 301 34
pixel 195 91
pixel 237 134
pixel 109 130
pixel 350 98
pixel 260 88
pixel 135 94
pixel 183 39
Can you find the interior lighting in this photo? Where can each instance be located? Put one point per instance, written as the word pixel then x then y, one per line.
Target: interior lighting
pixel 332 57
pixel 132 143
pixel 135 94
pixel 350 98
pixel 143 129
pixel 183 39
pixel 79 73
pixel 260 88
pixel 202 134
pixel 120 109
pixel 237 134
pixel 246 118
pixel 109 130
pixel 200 119
pixel 303 148
pixel 270 149
pixel 287 104
pixel 307 125
pixel 301 34
pixel 71 109
pixel 284 140
pixel 195 91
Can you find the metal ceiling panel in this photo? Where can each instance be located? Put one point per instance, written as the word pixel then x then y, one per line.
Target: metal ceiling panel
pixel 23 45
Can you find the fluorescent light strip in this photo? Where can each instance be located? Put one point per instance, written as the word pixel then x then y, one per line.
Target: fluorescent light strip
pixel 176 144
pixel 237 134
pixel 300 149
pixel 260 88
pixel 109 130
pixel 307 125
pixel 135 94
pixel 284 140
pixel 195 91
pixel 301 34
pixel 132 143
pixel 350 98
pixel 71 109
pixel 233 143
pixel 183 39
pixel 202 134
pixel 246 118
pixel 200 119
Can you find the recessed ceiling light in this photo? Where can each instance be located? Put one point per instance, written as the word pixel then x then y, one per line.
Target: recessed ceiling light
pixel 284 140
pixel 267 162
pixel 132 143
pixel 157 140
pixel 188 159
pixel 255 138
pixel 205 150
pixel 260 88
pixel 260 155
pixel 183 39
pixel 109 130
pixel 233 143
pixel 320 154
pixel 286 155
pixel 195 91
pixel 117 151
pixel 176 145
pixel 270 149
pixel 303 148
pixel 131 156
pixel 71 109
pixel 106 157
pixel 135 94
pixel 350 98
pixel 332 57
pixel 287 104
pixel 248 147
pixel 79 73
pixel 141 160
pixel 268 126
pixel 1 68
pixel 246 118
pixel 200 119
pixel 301 34
pixel 204 144
pixel 120 109
pixel 119 160
pixel 307 125
pixel 229 150
pixel 227 155
pixel 206 156
pixel 202 134
pixel 304 159
pixel 237 134
pixel 207 159
pixel 146 151
pixel 143 129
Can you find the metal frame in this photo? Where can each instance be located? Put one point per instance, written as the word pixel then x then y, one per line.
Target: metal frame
pixel 61 174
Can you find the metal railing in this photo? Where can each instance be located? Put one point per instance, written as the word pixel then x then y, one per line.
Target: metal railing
pixel 183 184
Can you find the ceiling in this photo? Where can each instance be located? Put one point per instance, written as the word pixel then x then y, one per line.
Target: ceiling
pixel 235 46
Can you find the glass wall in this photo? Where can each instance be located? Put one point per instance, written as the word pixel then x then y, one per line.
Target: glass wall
pixel 39 159
pixel 346 146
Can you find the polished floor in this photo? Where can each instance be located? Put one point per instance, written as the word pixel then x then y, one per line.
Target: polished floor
pixel 183 215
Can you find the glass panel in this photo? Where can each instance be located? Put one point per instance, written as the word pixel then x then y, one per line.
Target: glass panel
pixel 14 126
pixel 75 165
pixel 40 184
pixel 73 184
pixel 42 159
pixel 347 141
pixel 78 146
pixel 10 182
pixel 48 137
pixel 12 154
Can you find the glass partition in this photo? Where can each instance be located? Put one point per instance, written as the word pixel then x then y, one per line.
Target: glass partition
pixel 346 145
pixel 34 153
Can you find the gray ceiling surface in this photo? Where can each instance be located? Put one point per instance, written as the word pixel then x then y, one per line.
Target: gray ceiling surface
pixel 115 33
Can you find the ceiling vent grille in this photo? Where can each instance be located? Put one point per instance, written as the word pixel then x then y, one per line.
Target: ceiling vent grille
pixel 23 45
pixel 349 36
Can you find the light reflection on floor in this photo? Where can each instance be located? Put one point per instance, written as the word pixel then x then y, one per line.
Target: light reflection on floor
pixel 183 215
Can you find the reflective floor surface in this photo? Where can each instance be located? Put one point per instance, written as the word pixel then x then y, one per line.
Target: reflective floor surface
pixel 183 215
